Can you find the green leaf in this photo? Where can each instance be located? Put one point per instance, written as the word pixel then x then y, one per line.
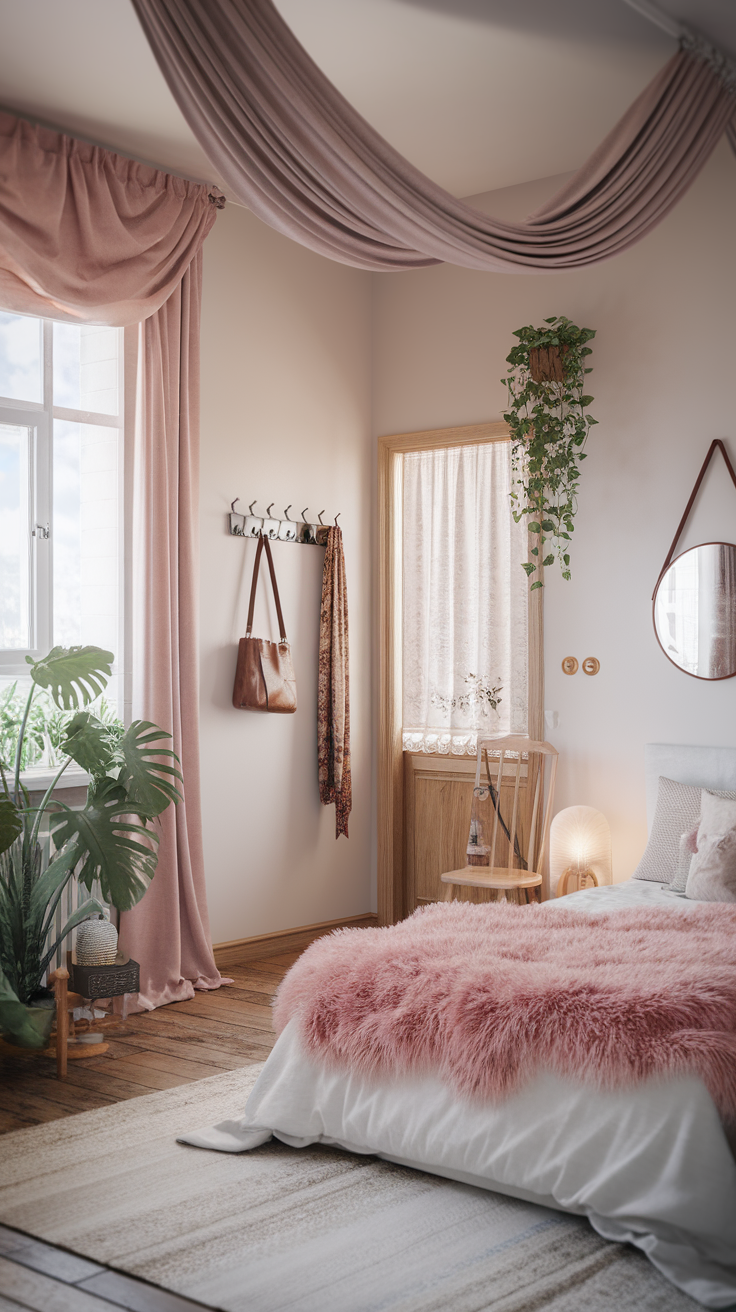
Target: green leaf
pixel 529 567
pixel 566 559
pixel 534 527
pixel 147 781
pixel 88 742
pixel 25 1027
pixel 73 675
pixel 11 824
pixel 111 848
pixel 548 560
pixel 538 584
pixel 53 879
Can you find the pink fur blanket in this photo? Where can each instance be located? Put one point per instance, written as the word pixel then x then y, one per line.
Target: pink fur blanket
pixel 485 996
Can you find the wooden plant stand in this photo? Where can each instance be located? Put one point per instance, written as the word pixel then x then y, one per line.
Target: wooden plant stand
pixel 97 982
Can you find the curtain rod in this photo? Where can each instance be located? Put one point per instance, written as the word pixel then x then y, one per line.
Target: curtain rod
pixel 124 154
pixel 658 17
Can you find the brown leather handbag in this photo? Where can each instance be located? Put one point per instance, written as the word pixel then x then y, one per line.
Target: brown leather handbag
pixel 264 678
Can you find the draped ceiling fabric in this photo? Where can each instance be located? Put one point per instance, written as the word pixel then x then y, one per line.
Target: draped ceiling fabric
pixel 88 236
pixel 293 150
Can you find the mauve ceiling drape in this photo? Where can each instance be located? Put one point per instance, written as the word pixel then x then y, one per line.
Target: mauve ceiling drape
pixel 88 236
pixel 293 150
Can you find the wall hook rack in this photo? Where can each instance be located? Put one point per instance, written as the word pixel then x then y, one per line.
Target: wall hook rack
pixel 283 530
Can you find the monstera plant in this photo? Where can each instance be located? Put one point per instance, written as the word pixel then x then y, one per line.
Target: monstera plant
pixel 111 839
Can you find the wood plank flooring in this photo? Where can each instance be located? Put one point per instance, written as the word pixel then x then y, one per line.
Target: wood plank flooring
pixel 177 1044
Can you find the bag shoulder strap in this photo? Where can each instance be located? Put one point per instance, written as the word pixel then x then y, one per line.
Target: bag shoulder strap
pixel 254 585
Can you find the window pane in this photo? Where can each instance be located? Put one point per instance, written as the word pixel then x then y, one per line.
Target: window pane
pixel 14 538
pixel 21 357
pixel 86 589
pixel 86 367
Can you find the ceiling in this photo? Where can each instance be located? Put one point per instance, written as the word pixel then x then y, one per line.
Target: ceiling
pixel 479 94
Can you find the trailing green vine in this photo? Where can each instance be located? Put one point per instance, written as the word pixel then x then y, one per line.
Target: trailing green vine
pixel 549 428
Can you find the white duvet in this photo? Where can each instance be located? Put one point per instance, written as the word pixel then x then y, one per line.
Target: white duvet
pixel 649 1165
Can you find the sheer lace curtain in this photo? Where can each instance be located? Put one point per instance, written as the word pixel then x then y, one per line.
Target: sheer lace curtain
pixel 465 607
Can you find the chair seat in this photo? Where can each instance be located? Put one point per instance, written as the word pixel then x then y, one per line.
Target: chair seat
pixel 492 877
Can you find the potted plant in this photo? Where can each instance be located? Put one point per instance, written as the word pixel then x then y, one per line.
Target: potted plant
pixel 549 428
pixel 111 839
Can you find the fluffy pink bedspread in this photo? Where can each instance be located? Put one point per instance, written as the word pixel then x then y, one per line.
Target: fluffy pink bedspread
pixel 485 996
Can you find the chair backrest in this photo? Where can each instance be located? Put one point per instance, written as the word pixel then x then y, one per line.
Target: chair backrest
pixel 521 792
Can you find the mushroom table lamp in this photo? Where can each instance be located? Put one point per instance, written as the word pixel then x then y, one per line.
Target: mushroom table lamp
pixel 580 850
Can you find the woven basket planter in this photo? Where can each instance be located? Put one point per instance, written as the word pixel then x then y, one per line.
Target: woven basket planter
pixel 97 943
pixel 547 363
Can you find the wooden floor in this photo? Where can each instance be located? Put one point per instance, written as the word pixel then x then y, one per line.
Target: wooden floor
pixel 185 1041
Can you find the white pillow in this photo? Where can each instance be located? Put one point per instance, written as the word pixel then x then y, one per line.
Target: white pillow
pixel 717 816
pixel 712 876
pixel 688 846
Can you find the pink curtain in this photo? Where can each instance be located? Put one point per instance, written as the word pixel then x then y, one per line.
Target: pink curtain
pixel 169 928
pixel 294 150
pixel 87 235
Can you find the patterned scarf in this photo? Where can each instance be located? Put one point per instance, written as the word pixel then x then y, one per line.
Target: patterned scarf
pixel 333 701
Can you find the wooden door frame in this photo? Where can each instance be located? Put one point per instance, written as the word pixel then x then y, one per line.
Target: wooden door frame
pixel 390 751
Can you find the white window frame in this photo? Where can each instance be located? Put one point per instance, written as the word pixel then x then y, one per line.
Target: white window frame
pixel 38 417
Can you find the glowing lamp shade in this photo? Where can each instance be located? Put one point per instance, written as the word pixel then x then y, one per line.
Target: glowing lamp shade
pixel 580 850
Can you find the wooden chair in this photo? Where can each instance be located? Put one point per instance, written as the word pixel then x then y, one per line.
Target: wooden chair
pixel 521 806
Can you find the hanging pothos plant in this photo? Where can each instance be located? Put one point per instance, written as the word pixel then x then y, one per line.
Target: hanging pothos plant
pixel 549 427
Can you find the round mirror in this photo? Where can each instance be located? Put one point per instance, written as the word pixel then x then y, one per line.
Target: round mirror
pixel 695 611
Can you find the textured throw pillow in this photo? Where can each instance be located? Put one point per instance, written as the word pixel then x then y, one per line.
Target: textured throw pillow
pixel 687 848
pixel 712 876
pixel 677 812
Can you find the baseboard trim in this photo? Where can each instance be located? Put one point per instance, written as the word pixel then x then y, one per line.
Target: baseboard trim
pixel 241 950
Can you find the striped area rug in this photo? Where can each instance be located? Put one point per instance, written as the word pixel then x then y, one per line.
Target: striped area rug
pixel 313 1230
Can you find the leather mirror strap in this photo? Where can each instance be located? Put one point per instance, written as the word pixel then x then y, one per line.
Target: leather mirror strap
pixel 275 587
pixel 716 445
pixel 253 586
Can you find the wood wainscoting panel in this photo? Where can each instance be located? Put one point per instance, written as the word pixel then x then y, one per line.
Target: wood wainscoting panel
pixel 438 792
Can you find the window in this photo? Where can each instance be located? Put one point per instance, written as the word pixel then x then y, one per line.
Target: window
pixel 455 617
pixel 61 485
pixel 464 599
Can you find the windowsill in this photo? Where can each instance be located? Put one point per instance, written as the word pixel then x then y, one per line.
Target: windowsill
pixel 38 780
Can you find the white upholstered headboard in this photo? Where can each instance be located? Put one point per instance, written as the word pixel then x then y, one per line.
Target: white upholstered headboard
pixel 706 767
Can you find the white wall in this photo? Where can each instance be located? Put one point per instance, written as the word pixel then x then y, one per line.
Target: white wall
pixel 285 418
pixel 663 386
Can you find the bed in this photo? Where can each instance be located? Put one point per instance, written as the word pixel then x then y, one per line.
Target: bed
pixel 650 1164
